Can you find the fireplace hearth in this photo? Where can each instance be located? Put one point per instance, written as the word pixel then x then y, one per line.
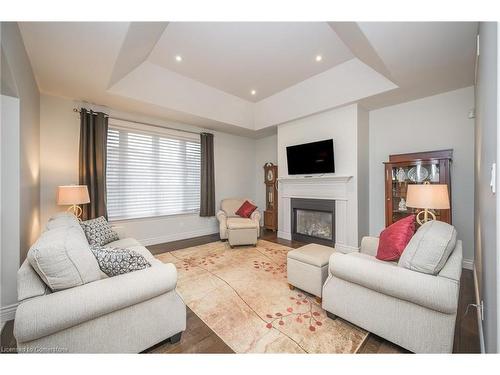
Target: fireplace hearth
pixel 313 221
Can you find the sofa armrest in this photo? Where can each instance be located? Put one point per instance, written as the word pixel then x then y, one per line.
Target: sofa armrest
pixel 42 316
pixel 369 245
pixel 221 216
pixel 255 216
pixel 433 292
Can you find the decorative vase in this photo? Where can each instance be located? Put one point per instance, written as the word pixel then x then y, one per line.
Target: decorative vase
pixel 402 205
pixel 401 175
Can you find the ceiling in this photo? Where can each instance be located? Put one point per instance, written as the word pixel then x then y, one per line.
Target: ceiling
pixel 237 57
pixel 133 66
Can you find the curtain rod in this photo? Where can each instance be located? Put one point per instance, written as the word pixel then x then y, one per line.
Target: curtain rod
pixel 145 123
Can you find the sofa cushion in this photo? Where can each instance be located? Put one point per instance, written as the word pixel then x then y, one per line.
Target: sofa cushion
pixel 62 258
pixel 429 248
pixel 246 209
pixel 125 242
pixel 115 261
pixel 241 223
pixel 312 254
pixel 99 231
pixel 394 239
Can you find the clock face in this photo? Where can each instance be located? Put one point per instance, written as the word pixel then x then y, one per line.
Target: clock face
pixel 269 175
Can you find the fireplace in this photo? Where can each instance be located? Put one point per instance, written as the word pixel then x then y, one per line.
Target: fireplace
pixel 313 221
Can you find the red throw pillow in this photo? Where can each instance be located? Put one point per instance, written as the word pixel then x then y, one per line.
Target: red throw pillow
pixel 246 209
pixel 395 237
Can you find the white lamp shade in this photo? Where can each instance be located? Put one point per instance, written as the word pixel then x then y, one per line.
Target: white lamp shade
pixel 72 194
pixel 433 196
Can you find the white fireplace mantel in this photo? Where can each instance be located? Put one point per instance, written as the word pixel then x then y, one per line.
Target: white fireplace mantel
pixel 337 188
pixel 302 179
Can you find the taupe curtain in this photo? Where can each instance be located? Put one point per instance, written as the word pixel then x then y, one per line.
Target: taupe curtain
pixel 93 142
pixel 207 199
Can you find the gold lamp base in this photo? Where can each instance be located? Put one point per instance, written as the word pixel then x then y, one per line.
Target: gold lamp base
pixel 426 213
pixel 75 210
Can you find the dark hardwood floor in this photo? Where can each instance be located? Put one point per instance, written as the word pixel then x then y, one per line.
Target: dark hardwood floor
pixel 199 338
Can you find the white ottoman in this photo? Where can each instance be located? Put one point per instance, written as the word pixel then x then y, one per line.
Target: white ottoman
pixel 307 268
pixel 241 231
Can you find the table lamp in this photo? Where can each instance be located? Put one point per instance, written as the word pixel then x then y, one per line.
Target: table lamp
pixel 427 196
pixel 73 195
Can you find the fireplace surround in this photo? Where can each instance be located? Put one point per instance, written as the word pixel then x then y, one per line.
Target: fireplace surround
pixel 340 189
pixel 313 221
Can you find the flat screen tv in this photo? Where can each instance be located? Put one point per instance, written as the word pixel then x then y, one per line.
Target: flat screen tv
pixel 311 158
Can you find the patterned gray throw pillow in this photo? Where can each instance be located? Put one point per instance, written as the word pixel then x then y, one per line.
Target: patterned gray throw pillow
pixel 98 231
pixel 115 261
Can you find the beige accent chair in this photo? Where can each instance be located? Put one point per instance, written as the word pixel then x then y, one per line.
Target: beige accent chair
pixel 412 309
pixel 122 314
pixel 235 229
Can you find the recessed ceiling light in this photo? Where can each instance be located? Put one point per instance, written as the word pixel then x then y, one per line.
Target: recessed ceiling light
pixel 253 92
pixel 178 58
pixel 319 58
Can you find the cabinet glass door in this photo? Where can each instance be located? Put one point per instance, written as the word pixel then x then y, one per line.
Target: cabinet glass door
pixel 402 176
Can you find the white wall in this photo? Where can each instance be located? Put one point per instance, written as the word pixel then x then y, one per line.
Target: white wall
pixel 341 124
pixel 265 152
pixel 433 123
pixel 234 171
pixel 486 209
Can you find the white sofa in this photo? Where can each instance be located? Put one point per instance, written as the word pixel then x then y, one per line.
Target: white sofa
pixel 122 314
pixel 412 309
pixel 237 230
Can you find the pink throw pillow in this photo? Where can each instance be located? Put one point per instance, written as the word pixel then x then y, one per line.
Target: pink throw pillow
pixel 246 209
pixel 394 238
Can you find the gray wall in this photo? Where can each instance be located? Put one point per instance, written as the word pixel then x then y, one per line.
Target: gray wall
pixel 9 201
pixel 20 199
pixel 363 173
pixel 432 123
pixel 60 126
pixel 15 55
pixel 485 208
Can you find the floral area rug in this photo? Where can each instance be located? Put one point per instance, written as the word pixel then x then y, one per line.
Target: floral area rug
pixel 242 294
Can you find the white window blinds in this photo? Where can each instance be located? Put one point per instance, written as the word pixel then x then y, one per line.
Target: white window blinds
pixel 151 171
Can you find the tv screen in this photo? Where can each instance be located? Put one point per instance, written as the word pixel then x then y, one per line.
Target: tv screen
pixel 311 158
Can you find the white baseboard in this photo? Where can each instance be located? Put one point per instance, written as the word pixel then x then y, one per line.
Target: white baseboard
pixel 8 312
pixel 478 313
pixel 177 236
pixel 468 264
pixel 284 235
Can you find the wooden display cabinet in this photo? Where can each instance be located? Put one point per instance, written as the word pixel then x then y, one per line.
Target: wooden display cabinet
pixel 271 210
pixel 415 168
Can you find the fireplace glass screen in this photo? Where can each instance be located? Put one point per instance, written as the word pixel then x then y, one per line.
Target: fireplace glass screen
pixel 314 223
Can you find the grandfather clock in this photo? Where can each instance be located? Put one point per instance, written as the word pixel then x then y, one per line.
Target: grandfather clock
pixel 271 211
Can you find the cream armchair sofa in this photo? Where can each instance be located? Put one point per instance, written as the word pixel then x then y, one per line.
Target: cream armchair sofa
pixel 412 309
pixel 122 314
pixel 238 230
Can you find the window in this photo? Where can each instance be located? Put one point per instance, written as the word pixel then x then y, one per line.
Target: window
pixel 151 171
